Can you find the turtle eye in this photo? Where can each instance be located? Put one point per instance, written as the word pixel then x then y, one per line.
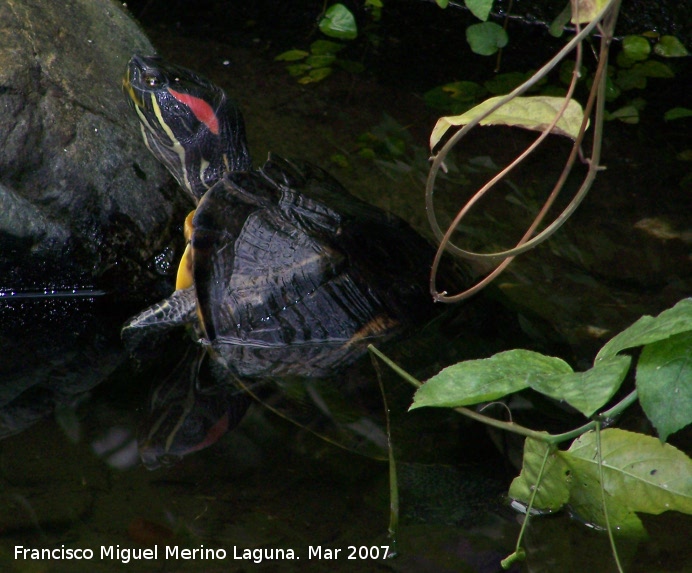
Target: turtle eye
pixel 151 80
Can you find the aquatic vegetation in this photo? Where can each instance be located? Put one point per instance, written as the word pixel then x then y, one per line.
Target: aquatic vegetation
pixel 607 474
pixel 315 65
pixel 338 22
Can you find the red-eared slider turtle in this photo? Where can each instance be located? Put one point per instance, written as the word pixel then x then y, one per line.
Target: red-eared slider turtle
pixel 286 273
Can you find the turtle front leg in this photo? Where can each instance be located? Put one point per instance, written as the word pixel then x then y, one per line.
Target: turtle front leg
pixel 146 328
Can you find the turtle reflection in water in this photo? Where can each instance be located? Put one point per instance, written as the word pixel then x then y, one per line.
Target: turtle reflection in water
pixel 285 273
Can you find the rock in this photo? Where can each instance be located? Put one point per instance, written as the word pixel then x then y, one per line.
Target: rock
pixel 80 194
pixel 89 220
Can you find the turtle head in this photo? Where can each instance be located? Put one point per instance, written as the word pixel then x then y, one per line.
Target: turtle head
pixel 187 122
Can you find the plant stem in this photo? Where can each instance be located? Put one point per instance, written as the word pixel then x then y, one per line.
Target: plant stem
pixel 603 498
pixel 511 426
pixel 613 412
pixel 518 551
pixel 393 479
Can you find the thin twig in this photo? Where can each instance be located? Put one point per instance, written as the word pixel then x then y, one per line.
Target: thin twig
pixel 526 242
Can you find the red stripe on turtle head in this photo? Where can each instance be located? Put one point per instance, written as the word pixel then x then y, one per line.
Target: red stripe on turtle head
pixel 202 110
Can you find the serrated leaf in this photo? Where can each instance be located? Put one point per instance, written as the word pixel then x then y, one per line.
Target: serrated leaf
pixel 650 329
pixel 670 47
pixel 533 112
pixel 479 8
pixel 486 38
pixel 636 48
pixel 475 381
pixel 664 383
pixel 553 490
pixel 339 22
pixel 640 474
pixel 586 391
pixel 292 55
pixel 587 10
pixel 587 505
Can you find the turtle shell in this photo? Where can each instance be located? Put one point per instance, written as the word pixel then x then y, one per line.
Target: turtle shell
pixel 286 273
pixel 295 276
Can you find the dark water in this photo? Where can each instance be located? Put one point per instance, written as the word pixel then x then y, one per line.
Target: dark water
pixel 70 472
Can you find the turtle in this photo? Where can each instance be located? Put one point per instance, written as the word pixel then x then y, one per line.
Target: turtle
pixel 285 273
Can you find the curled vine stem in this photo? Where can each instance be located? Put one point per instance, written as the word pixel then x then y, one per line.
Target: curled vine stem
pixel 605 20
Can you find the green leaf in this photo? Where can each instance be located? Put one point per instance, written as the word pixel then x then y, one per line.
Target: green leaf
pixel 479 8
pixel 350 66
pixel 635 77
pixel 292 56
pixel 677 113
pixel 587 10
pixel 338 22
pixel 453 96
pixel 442 3
pixel 664 383
pixel 612 91
pixel 320 61
pixel 650 329
pixel 640 474
pixel 670 47
pixel 298 69
pixel 557 26
pixel 567 70
pixel 324 47
pixel 340 159
pixel 626 114
pixel 553 490
pixel 586 391
pixel 623 61
pixel 486 38
pixel 587 505
pixel 533 112
pixel 636 48
pixel 475 381
pixel 505 83
pixel 654 69
pixel 463 90
pixel 631 79
pixel 315 75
